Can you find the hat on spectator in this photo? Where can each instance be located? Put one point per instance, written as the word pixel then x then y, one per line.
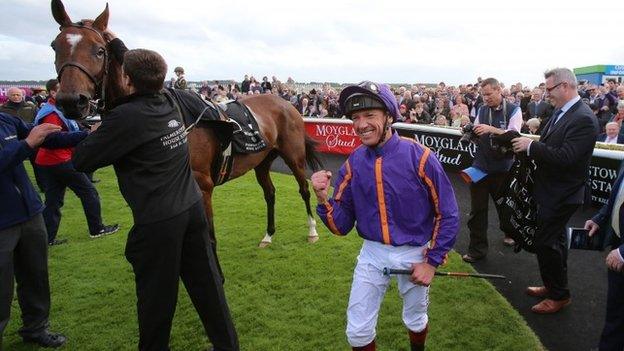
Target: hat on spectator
pixel 368 95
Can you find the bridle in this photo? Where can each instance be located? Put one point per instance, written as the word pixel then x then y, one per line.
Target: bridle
pixel 98 101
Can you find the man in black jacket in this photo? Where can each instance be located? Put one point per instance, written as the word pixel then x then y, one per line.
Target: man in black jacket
pixel 561 183
pixel 144 138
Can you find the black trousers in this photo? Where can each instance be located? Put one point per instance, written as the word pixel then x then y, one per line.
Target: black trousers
pixel 478 221
pixel 163 252
pixel 551 248
pixel 612 338
pixel 57 179
pixel 24 257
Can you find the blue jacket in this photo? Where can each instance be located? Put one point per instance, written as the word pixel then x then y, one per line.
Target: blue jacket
pixel 397 194
pixel 18 199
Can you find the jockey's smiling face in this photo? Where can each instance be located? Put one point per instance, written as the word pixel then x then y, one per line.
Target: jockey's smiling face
pixel 370 125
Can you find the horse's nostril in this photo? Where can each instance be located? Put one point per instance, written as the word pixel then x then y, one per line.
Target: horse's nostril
pixel 83 100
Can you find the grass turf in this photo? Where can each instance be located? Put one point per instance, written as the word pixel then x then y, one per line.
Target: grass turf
pixel 290 296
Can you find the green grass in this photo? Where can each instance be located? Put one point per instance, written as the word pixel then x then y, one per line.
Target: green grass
pixel 290 296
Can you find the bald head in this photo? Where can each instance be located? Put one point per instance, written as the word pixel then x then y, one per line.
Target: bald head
pixel 16 95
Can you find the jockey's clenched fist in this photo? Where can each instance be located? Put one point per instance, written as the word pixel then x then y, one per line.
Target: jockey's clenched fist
pixel 320 184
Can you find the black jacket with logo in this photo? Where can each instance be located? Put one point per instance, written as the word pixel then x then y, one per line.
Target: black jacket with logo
pixel 143 138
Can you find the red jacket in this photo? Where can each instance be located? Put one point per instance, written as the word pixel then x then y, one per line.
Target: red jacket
pixel 52 157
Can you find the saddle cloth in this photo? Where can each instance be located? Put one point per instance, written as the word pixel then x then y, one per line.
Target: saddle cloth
pixel 246 138
pixel 232 120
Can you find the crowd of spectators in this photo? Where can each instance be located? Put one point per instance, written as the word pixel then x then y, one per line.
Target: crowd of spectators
pixel 440 105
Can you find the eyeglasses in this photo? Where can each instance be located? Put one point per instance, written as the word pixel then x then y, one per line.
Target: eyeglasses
pixel 553 87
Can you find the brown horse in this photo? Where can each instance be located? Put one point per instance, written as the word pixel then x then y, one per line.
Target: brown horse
pixel 87 73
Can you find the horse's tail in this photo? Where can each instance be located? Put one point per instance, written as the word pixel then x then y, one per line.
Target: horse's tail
pixel 312 158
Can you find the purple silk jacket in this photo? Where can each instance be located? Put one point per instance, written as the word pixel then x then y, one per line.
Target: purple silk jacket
pixel 397 195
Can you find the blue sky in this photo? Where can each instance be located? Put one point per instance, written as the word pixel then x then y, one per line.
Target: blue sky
pixel 338 41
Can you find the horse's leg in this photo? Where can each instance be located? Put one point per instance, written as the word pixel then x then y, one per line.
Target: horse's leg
pixel 264 179
pixel 298 169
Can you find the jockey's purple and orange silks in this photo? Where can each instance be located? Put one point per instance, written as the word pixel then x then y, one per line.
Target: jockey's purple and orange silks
pixel 397 194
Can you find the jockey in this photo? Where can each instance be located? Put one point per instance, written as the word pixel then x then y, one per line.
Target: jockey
pixel 396 194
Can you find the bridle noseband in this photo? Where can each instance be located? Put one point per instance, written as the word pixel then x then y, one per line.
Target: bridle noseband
pixel 100 86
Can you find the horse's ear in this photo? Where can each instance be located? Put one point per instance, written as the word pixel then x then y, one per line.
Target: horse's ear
pixel 101 22
pixel 59 13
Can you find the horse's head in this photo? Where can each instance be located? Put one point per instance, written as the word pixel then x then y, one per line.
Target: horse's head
pixel 81 61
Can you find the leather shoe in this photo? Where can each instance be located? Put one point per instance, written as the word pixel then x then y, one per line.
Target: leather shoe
pixel 536 291
pixel 471 259
pixel 549 306
pixel 47 339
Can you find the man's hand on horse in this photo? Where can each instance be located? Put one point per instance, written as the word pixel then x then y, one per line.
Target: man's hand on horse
pixel 320 183
pixel 95 127
pixel 108 35
pixel 422 273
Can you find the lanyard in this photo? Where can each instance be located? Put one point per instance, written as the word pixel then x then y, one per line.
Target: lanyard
pixel 504 113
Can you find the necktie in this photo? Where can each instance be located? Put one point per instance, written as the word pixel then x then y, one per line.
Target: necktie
pixel 615 214
pixel 556 115
pixel 553 120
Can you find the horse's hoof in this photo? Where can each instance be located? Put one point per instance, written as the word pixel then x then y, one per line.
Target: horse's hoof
pixel 264 244
pixel 313 239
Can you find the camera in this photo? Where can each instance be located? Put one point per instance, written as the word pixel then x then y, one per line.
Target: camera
pixel 468 134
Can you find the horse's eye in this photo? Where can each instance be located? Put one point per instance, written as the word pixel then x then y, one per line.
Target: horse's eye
pixel 53 46
pixel 101 52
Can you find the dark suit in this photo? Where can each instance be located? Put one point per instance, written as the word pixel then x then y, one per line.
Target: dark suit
pixel 538 109
pixel 603 138
pixel 561 184
pixel 613 333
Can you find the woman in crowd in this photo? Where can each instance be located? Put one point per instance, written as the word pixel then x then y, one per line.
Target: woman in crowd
pixel 458 110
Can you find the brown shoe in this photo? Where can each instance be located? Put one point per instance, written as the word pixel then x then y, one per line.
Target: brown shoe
pixel 508 241
pixel 536 291
pixel 471 259
pixel 549 306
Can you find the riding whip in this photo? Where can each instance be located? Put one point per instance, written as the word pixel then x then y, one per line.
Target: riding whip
pixel 389 271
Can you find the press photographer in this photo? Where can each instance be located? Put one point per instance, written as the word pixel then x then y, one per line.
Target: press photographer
pixel 494 117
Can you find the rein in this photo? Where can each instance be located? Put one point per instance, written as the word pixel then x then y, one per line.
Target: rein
pixel 100 86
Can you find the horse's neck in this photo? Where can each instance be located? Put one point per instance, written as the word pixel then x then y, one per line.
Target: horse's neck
pixel 114 90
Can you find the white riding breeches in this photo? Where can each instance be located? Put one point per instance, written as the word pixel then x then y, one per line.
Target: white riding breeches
pixel 369 287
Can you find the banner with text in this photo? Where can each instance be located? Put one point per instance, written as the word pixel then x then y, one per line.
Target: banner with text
pixel 335 136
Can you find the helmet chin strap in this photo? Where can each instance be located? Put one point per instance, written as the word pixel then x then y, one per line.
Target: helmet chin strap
pixel 383 134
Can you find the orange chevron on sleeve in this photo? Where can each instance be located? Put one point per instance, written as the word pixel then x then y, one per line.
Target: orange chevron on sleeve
pixel 330 220
pixel 344 183
pixel 434 196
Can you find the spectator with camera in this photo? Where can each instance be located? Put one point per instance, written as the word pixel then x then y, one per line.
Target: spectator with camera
pixel 496 116
pixel 458 110
pixel 418 115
